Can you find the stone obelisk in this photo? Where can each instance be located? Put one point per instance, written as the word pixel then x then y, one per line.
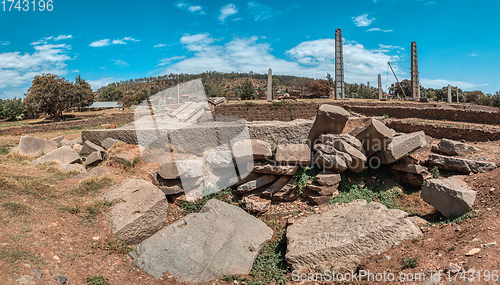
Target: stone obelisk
pixel 380 91
pixel 270 85
pixel 449 93
pixel 415 84
pixel 339 66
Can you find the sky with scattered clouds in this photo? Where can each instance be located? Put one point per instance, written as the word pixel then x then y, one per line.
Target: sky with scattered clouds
pixel 458 41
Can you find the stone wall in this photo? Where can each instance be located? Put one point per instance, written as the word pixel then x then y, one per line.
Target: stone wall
pixel 289 111
pixel 65 125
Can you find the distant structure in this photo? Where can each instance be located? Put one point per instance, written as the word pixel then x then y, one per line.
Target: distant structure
pixel 415 84
pixel 380 91
pixel 339 66
pixel 458 101
pixel 270 85
pixel 449 93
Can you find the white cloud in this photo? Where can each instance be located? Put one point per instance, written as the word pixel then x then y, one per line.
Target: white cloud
pixel 100 43
pixel 378 30
pixel 473 54
pixel 160 45
pixel 107 42
pixel 63 37
pixel 4 43
pixel 195 9
pixel 98 83
pixel 440 83
pixel 226 11
pixel 310 58
pixel 261 11
pixel 169 60
pixel 18 69
pixel 120 62
pixel 363 20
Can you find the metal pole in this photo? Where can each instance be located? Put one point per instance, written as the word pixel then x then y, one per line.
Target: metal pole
pixel 397 79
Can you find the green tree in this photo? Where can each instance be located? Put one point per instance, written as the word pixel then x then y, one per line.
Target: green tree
pixel 321 88
pixel 83 95
pixel 51 95
pixel 110 94
pixel 11 108
pixel 330 80
pixel 247 91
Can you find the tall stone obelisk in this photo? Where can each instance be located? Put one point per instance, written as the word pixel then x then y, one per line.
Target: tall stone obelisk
pixel 270 85
pixel 380 91
pixel 449 93
pixel 415 84
pixel 339 66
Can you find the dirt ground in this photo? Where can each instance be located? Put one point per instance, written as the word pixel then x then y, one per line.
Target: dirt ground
pixel 50 222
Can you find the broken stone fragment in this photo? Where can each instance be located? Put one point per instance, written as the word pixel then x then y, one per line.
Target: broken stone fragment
pixel 329 120
pixel 293 154
pixel 451 196
pixel 374 136
pixel 451 147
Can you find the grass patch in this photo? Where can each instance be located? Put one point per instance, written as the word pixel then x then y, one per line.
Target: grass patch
pixel 92 185
pixel 435 172
pixel 12 255
pixel 16 208
pixel 4 150
pixel 189 207
pixel 303 175
pixel 410 262
pixel 452 220
pixel 270 265
pixel 386 197
pixel 72 210
pixel 97 280
pixel 117 246
pixel 97 208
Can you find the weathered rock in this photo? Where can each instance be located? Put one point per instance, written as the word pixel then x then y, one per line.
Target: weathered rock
pixel 327 179
pixel 460 164
pixel 255 205
pixel 63 155
pixel 329 120
pixel 26 280
pixel 331 150
pixel 89 147
pixel 346 234
pixel 292 195
pixel 192 168
pixel 94 158
pixel 374 136
pixel 220 158
pixel 401 146
pixel 14 150
pixel 417 221
pixel 358 159
pixel 173 189
pixel 355 122
pixel 276 169
pixel 333 162
pixel 259 149
pixel 58 140
pixel 77 147
pixel 293 154
pixel 451 147
pixel 412 179
pixel 169 170
pixel 71 167
pixel 204 246
pixel 130 155
pixel 32 146
pixel 451 196
pixel 329 139
pixel 317 198
pixel 285 191
pixel 94 172
pixel 254 184
pixel 414 169
pixel 276 186
pixel 322 190
pixel 108 143
pixel 140 212
pixel 66 142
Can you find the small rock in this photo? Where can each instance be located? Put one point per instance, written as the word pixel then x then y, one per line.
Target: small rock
pixel 61 279
pixel 96 238
pixel 38 274
pixel 255 205
pixel 457 229
pixel 56 257
pixel 387 257
pixel 26 279
pixel 453 268
pixel 490 244
pixel 473 252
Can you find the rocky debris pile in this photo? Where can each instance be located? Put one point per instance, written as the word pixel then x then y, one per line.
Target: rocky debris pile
pixel 139 211
pixel 451 196
pixel 345 234
pixel 221 239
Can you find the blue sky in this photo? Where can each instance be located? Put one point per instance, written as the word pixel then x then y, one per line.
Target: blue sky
pixel 105 41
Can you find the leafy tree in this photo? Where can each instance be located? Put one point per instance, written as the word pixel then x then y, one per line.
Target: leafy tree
pixel 247 90
pixel 330 80
pixel 51 95
pixel 11 108
pixel 128 100
pixel 141 96
pixel 495 99
pixel 321 87
pixel 83 95
pixel 395 89
pixel 110 94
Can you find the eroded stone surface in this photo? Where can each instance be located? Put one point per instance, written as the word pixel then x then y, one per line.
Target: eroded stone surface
pixel 451 196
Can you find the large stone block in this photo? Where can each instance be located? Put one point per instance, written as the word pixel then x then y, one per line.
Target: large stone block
pixel 329 120
pixel 451 196
pixel 460 164
pixel 374 136
pixel 293 154
pixel 33 146
pixel 219 240
pixel 401 146
pixel 140 211
pixel 63 155
pixel 451 147
pixel 89 147
pixel 345 234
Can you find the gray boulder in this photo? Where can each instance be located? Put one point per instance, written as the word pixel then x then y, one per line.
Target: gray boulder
pixel 451 147
pixel 245 149
pixel 451 196
pixel 58 140
pixel 168 170
pixel 276 186
pixel 333 162
pixel 374 136
pixel 33 146
pixel 220 158
pixel 401 146
pixel 329 120
pixel 94 172
pixel 62 155
pixel 460 164
pixel 254 204
pixel 358 160
pixel 345 234
pixel 293 154
pixel 89 147
pixel 221 239
pixel 94 158
pixel 140 211
pixel 108 143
